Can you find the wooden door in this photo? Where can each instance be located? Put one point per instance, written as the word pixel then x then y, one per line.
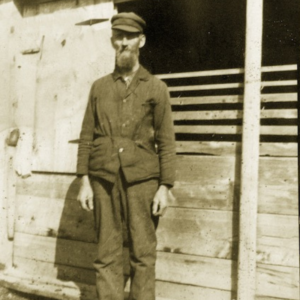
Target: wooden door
pixel 53 65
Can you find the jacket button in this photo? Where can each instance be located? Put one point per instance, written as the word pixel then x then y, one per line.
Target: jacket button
pixel 121 150
pixel 124 100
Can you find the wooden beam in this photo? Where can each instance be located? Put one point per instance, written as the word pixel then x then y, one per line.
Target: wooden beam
pixel 246 288
pixel 122 1
pixel 280 97
pixel 229 86
pixel 225 72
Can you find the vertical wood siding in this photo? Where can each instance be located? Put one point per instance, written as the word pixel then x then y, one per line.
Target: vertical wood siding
pixel 54 242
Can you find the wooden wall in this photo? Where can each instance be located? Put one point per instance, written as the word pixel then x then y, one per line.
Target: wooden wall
pixel 54 245
pixel 198 237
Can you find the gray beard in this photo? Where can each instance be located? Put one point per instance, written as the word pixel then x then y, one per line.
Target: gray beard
pixel 126 60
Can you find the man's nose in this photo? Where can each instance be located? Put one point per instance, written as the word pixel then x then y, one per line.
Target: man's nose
pixel 125 41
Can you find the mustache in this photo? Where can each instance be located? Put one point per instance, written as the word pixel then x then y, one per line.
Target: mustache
pixel 125 50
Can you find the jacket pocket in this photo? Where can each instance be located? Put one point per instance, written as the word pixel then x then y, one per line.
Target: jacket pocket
pixel 99 153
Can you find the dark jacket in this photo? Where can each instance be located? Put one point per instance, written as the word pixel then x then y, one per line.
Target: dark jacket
pixel 128 128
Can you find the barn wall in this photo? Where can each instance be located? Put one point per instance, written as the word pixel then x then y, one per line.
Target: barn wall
pixel 197 238
pixel 8 13
pixel 52 64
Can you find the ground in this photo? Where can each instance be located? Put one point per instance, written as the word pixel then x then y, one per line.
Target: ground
pixel 6 294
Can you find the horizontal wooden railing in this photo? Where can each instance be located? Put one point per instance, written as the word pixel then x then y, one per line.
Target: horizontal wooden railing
pixel 207 110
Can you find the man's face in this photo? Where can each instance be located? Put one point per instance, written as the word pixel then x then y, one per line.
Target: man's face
pixel 127 46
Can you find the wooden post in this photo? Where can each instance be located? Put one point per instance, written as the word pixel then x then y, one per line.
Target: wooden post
pixel 250 153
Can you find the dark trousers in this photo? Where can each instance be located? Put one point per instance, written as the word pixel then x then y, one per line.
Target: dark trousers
pixel 123 211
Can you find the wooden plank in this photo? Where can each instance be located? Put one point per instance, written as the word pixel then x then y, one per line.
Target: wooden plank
pixel 225 72
pixel 201 73
pixel 59 111
pixel 121 1
pixel 210 148
pixel 278 199
pixel 278 282
pixel 220 86
pixel 209 233
pixel 207 129
pixel 277 240
pixel 200 271
pixel 8 48
pixel 201 233
pixel 176 291
pixel 272 199
pixel 163 289
pixel 177 268
pixel 279 149
pixel 207 115
pixel 283 97
pixel 203 169
pixel 198 232
pixel 55 271
pixel 35 213
pixel 213 229
pixel 36 216
pixel 207 100
pixel 265 298
pixel 279 113
pixel 234 148
pixel 278 171
pixel 279 83
pixel 58 251
pixel 59 290
pixel 279 97
pixel 279 68
pixel 273 171
pixel 232 114
pixel 210 196
pixel 59 186
pixel 269 277
pixel 226 129
pixel 6 187
pixel 197 271
pixel 47 287
pixel 218 190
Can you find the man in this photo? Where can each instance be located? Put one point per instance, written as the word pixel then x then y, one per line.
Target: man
pixel 126 162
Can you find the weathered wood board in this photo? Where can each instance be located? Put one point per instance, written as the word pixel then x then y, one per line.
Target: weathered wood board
pixel 194 270
pixel 63 76
pixel 233 114
pixel 209 233
pixel 203 182
pixel 200 228
pixel 281 97
pixel 268 130
pixel 197 238
pixel 234 148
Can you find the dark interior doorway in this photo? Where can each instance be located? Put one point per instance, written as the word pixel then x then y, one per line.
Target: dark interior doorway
pixel 195 35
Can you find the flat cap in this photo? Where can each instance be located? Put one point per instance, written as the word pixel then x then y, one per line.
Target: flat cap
pixel 128 21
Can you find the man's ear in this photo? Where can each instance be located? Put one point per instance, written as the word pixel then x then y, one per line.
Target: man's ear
pixel 142 41
pixel 112 42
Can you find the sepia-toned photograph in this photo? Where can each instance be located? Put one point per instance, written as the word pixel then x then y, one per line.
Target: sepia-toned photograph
pixel 149 149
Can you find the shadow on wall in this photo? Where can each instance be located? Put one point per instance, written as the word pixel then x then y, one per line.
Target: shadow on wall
pixel 76 246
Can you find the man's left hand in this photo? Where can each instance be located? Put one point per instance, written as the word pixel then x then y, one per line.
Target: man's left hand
pixel 161 200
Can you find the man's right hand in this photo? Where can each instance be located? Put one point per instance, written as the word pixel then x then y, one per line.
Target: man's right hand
pixel 85 195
